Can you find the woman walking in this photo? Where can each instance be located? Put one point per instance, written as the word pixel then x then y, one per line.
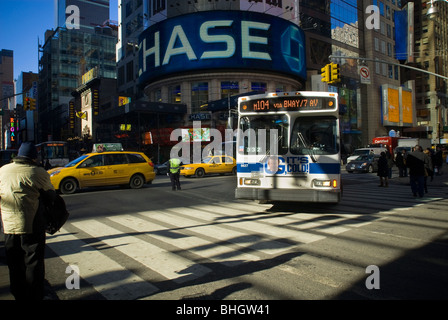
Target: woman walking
pixel 383 170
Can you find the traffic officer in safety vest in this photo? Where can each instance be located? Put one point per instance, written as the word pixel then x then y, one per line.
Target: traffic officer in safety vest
pixel 174 172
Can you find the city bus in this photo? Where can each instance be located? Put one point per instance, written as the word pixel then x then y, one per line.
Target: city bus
pixel 56 152
pixel 288 147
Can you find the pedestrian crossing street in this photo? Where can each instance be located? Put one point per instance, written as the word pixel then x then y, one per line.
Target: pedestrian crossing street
pixel 132 255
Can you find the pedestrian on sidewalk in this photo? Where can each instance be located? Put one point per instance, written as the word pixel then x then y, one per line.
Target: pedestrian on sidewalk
pixel 23 222
pixel 401 165
pixel 390 163
pixel 383 170
pixel 416 161
pixel 438 161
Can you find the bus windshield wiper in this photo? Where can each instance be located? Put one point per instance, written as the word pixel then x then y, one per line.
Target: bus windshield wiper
pixel 311 151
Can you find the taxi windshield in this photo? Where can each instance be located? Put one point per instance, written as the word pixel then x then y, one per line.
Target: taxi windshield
pixel 76 161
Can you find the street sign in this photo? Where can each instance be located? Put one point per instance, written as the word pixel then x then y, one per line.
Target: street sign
pixel 364 74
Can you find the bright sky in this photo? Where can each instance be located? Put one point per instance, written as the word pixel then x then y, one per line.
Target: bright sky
pixel 23 23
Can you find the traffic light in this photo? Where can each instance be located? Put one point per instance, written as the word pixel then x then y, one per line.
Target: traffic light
pixel 26 103
pixel 335 73
pixel 32 104
pixel 326 73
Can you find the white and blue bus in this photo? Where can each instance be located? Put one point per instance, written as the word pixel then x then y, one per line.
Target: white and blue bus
pixel 288 147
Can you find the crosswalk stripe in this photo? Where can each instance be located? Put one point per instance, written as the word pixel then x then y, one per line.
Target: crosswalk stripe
pixel 146 253
pixel 220 233
pixel 107 277
pixel 205 212
pixel 188 241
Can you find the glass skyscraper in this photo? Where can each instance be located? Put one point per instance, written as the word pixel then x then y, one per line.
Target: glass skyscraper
pixel 65 56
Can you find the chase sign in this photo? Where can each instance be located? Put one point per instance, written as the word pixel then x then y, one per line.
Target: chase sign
pixel 221 40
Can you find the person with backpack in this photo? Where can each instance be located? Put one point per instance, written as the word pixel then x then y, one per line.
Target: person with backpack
pixel 24 223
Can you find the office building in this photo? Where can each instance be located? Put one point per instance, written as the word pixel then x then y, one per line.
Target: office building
pixel 7 104
pixel 66 55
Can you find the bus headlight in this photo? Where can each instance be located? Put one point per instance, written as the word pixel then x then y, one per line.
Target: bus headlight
pixel 251 182
pixel 325 183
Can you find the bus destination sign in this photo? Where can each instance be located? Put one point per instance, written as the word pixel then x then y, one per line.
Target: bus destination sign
pixel 288 103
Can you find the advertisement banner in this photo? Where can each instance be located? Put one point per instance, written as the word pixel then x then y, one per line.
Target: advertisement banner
pixel 212 40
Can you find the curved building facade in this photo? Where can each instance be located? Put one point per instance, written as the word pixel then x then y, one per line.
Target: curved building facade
pixel 197 52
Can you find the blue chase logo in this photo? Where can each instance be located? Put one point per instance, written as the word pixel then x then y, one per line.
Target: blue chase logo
pixel 293 51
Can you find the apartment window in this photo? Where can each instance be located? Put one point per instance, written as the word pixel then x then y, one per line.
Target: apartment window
pixel 377 44
pixel 174 94
pixel 120 78
pixel 158 6
pixel 199 95
pixel 229 88
pixel 377 67
pixel 258 86
pixel 158 95
pixel 130 71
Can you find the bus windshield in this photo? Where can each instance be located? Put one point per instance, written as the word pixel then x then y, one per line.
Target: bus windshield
pixel 264 134
pixel 314 136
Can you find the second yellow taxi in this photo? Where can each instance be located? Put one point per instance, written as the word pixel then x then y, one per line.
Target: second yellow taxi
pixel 210 165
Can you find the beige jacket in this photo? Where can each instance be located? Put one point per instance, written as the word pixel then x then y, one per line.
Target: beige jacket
pixel 20 182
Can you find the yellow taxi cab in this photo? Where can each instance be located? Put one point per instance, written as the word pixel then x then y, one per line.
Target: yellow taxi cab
pixel 214 164
pixel 106 168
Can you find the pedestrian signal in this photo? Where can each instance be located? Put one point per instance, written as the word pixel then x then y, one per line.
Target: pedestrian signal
pixel 325 76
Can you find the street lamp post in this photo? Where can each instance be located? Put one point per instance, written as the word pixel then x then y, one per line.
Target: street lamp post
pixel 433 11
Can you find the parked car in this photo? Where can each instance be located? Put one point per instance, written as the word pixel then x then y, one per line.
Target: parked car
pixel 103 169
pixel 214 164
pixel 364 163
pixel 162 168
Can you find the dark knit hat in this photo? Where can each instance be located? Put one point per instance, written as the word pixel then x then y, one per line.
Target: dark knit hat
pixel 28 149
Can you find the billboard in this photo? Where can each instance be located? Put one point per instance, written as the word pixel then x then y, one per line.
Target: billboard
pixel 212 40
pixel 404 33
pixel 397 106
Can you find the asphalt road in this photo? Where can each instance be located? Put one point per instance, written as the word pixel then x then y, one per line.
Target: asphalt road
pixel 202 244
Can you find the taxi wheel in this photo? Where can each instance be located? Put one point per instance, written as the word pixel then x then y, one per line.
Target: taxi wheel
pixel 200 173
pixel 234 171
pixel 68 186
pixel 136 182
